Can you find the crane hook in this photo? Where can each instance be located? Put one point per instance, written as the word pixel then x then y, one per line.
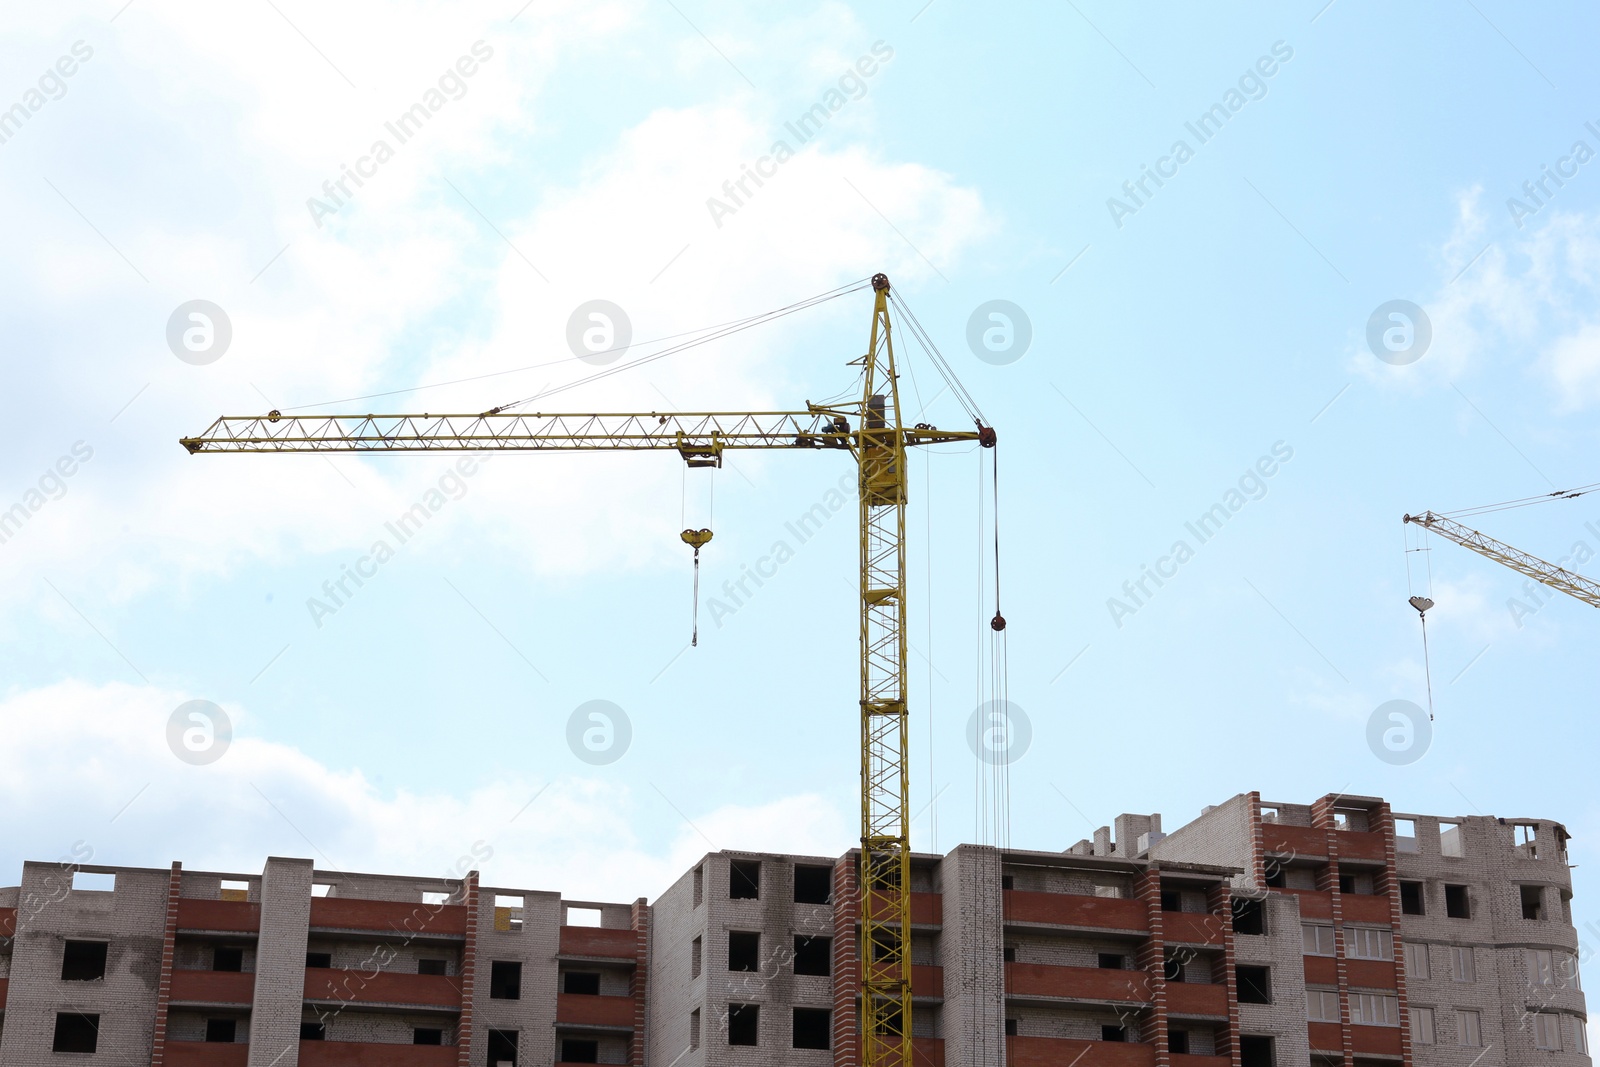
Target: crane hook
pixel 696 539
pixel 1423 604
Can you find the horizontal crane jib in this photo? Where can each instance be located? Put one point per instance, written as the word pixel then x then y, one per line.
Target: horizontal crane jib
pixel 577 432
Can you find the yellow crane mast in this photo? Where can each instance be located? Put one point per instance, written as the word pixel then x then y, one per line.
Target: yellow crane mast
pixel 873 432
pixel 1558 578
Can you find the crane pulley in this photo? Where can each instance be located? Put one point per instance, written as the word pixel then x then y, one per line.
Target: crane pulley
pixel 872 432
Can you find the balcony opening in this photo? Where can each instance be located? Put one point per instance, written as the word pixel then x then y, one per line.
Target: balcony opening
pixel 505 980
pixel 1450 839
pixel 813 955
pixel 83 961
pixel 699 885
pixel 502 1048
pixel 813 1028
pixel 581 983
pixel 1009 954
pixel 319 960
pixel 1007 882
pixel 1254 983
pixel 1171 900
pixel 1113 1033
pixel 435 900
pixel 591 917
pixel 1275 876
pixel 1532 901
pixel 1172 969
pixel 1269 814
pixel 891 1024
pixel 94 882
pixel 508 913
pixel 1178 1042
pixel 577 1050
pixel 1457 905
pixel 1350 819
pixel 1011 1028
pixel 321 889
pixel 696 954
pixel 1405 835
pixel 744 1024
pixel 813 885
pixel 744 951
pixel 1347 883
pixel 427 1035
pixel 430 966
pixel 227 958
pixel 229 889
pixel 1109 892
pixel 313 1032
pixel 744 879
pixel 1255 1051
pixel 1110 961
pixel 694 1029
pixel 76 1032
pixel 1411 901
pixel 1249 917
pixel 222 1031
pixel 1526 837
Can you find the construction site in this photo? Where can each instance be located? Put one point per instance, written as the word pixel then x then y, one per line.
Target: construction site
pixel 823 535
pixel 1334 933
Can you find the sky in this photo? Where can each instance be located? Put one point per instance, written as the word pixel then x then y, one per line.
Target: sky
pixel 1306 267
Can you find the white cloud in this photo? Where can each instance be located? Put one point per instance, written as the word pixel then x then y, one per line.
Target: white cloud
pixel 1523 302
pixel 355 307
pixel 91 763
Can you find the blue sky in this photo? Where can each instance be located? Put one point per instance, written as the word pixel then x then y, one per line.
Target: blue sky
pixel 1173 346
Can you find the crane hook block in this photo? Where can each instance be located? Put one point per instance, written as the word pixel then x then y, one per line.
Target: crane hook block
pixel 695 538
pixel 997 623
pixel 987 437
pixel 1421 603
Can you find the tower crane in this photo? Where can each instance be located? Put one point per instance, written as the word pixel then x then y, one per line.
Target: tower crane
pixel 1557 578
pixel 871 430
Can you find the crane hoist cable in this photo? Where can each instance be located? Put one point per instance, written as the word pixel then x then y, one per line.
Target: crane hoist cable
pixel 1522 502
pixel 1422 604
pixel 696 539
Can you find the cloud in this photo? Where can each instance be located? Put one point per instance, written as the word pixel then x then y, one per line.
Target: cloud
pixel 91 764
pixel 1523 302
pixel 431 272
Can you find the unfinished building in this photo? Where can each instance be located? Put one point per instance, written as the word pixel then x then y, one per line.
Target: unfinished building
pixel 1258 934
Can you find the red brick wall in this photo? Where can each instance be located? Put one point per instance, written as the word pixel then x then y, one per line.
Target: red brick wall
pixel 158 1052
pixel 637 985
pixel 846 964
pixel 469 971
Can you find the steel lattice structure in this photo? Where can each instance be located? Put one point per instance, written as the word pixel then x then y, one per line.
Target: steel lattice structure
pixel 1557 578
